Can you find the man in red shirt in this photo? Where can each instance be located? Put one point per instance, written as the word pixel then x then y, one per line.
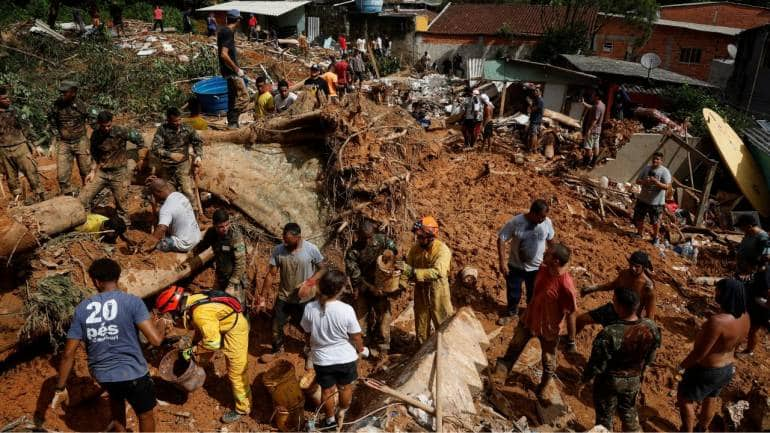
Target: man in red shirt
pixel 343 44
pixel 554 299
pixel 253 31
pixel 341 68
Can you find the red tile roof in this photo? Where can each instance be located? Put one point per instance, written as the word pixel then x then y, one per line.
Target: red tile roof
pixel 490 19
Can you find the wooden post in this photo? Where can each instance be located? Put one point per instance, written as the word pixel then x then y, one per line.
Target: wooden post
pixel 704 200
pixel 437 379
pixel 502 99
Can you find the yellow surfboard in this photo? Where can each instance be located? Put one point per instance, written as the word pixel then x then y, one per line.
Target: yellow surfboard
pixel 738 159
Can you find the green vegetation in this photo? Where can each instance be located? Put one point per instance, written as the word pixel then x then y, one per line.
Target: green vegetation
pixel 14 11
pixel 110 77
pixel 689 102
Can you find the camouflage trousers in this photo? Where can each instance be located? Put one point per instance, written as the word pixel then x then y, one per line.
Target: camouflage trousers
pixel 18 159
pixel 181 176
pixel 65 153
pixel 116 179
pixel 613 394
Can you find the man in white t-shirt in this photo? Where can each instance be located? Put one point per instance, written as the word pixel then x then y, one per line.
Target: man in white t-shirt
pixel 177 228
pixel 335 345
pixel 284 99
pixel 361 45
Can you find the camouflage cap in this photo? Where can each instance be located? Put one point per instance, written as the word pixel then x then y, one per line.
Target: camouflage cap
pixel 67 86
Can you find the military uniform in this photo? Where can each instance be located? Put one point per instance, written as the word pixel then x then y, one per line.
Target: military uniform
pixel 68 124
pixel 229 260
pixel 111 157
pixel 15 155
pixel 620 353
pixel 169 140
pixel 361 265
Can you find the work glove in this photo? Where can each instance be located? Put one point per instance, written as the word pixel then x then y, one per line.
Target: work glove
pixel 364 353
pixel 60 396
pixel 240 72
pixel 188 353
pixel 587 290
pixel 405 269
pixel 191 262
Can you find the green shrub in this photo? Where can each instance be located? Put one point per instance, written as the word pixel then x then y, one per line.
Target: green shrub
pixel 686 101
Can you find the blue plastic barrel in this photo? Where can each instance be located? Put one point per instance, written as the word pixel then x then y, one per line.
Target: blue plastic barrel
pixel 212 94
pixel 369 6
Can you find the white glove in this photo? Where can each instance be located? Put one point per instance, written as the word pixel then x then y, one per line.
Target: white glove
pixel 60 397
pixel 240 72
pixel 364 353
pixel 197 160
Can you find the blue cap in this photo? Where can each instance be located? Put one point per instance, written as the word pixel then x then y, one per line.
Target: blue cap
pixel 234 13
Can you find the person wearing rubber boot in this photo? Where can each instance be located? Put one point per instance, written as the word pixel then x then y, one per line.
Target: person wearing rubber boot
pixel 67 119
pixel 620 353
pixel 219 324
pixel 427 266
pixel 171 146
pixel 15 155
pixel 372 305
pixel 110 168
pixel 226 240
pixel 635 277
pixel 109 323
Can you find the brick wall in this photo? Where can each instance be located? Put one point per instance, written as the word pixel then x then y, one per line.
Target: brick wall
pixel 720 14
pixel 667 42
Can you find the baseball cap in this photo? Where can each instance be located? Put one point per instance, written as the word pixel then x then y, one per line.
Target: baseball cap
pixel 234 13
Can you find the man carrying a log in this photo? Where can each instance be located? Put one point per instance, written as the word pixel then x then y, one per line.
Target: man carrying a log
pixel 15 154
pixel 177 228
pixel 427 266
pixel 219 324
pixel 709 366
pixel 171 146
pixel 372 304
pixel 635 277
pixel 237 95
pixel 67 120
pixel 655 180
pixel 619 356
pixel 226 240
pixel 554 301
pixel 110 168
pixel 300 264
pixel 109 324
pixel 528 233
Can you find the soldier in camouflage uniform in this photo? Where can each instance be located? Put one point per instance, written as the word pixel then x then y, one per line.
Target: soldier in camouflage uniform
pixel 67 120
pixel 620 353
pixel 110 168
pixel 372 306
pixel 171 145
pixel 15 156
pixel 226 239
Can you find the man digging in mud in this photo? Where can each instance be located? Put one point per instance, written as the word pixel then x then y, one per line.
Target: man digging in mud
pixel 634 278
pixel 710 365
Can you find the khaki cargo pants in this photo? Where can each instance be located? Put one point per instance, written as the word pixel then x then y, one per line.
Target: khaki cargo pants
pixel 116 179
pixel 18 159
pixel 65 153
pixel 181 176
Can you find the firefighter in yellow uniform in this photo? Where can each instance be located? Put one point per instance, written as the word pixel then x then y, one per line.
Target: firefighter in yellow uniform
pixel 220 325
pixel 427 265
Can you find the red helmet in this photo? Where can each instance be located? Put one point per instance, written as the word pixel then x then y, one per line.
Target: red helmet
pixel 168 300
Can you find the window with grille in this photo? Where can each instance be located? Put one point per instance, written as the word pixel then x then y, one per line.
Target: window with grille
pixel 689 55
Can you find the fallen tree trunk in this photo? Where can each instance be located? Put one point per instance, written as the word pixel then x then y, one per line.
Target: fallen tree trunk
pixel 148 282
pixel 25 226
pixel 285 129
pixel 562 118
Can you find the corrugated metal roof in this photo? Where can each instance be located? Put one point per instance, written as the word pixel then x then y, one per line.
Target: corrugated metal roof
pixel 604 65
pixel 268 8
pixel 493 19
pixel 759 138
pixel 507 70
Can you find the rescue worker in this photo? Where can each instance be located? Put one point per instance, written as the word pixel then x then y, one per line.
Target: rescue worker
pixel 15 155
pixel 110 168
pixel 226 239
pixel 620 353
pixel 427 266
pixel 219 324
pixel 67 120
pixel 372 305
pixel 634 278
pixel 171 146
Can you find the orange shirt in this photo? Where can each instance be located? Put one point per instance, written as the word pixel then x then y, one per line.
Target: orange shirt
pixel 554 297
pixel 331 81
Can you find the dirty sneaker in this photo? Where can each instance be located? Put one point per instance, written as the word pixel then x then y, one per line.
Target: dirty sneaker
pixel 329 424
pixel 230 416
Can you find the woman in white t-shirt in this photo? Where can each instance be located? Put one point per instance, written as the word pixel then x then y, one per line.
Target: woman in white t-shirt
pixel 335 344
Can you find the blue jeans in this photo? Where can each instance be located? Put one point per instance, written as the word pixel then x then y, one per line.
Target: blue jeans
pixel 517 277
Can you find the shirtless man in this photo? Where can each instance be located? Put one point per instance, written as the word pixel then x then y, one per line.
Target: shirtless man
pixel 709 366
pixel 634 278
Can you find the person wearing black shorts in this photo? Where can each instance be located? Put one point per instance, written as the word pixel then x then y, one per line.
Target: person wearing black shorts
pixel 655 180
pixel 335 345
